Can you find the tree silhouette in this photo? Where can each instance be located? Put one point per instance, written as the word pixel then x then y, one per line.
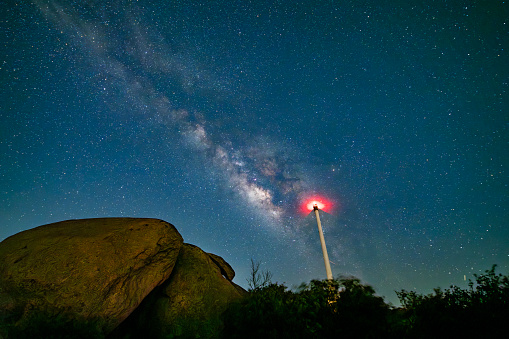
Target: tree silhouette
pixel 482 309
pixel 322 308
pixel 258 279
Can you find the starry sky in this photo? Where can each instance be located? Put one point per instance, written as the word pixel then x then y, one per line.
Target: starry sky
pixel 225 117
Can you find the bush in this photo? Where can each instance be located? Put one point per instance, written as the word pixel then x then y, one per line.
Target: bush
pixel 341 307
pixel 480 310
pixel 347 308
pixel 52 325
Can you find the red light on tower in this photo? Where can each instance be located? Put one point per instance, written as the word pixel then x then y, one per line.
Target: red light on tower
pixel 316 204
pixel 322 204
pixel 311 205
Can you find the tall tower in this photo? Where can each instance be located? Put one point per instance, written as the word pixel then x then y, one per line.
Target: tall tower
pixel 322 241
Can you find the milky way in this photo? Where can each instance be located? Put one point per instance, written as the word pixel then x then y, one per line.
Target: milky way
pixel 132 56
pixel 223 118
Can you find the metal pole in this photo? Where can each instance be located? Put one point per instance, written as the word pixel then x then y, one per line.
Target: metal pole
pixel 324 249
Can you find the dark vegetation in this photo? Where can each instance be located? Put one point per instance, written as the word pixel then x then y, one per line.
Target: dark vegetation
pixel 346 308
pixel 481 310
pixel 340 308
pixel 50 324
pixel 314 311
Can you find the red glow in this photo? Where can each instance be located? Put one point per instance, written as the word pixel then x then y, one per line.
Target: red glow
pixel 311 205
pixel 321 202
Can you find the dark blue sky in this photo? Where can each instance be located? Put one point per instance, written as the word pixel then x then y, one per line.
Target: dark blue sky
pixel 224 117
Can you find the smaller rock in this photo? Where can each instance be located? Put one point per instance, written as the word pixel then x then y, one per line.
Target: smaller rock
pixel 189 304
pixel 226 270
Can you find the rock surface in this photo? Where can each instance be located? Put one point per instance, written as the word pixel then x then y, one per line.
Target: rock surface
pixel 190 303
pixel 226 270
pixel 90 268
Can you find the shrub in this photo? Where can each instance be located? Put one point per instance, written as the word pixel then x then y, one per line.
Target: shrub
pixel 482 309
pixel 52 325
pixel 341 307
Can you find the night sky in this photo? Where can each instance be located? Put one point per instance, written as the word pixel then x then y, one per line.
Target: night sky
pixel 225 117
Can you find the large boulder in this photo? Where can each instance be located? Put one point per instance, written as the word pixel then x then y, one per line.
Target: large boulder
pixel 97 269
pixel 190 303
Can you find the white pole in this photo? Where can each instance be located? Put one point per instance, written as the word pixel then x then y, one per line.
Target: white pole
pixel 324 249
